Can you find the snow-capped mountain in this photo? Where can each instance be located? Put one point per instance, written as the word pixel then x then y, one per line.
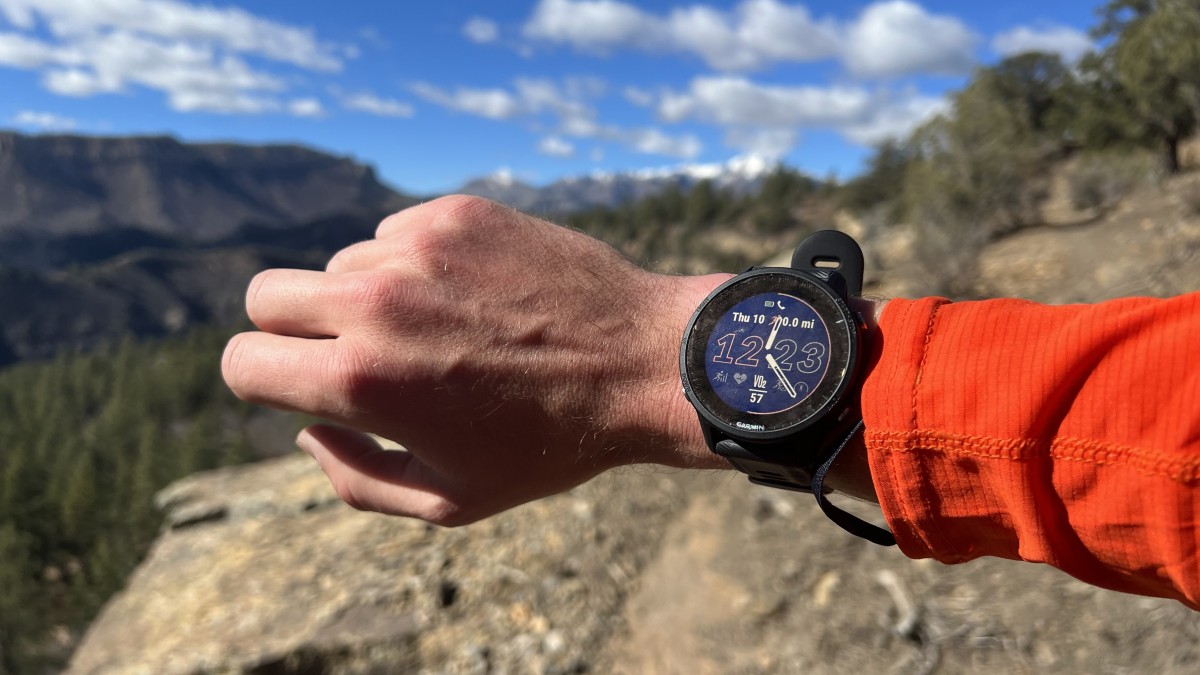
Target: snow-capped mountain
pixel 739 175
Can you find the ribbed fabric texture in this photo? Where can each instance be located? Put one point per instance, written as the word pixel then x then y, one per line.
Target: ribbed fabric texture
pixel 1068 435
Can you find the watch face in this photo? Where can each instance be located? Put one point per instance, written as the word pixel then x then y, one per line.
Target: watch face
pixel 768 353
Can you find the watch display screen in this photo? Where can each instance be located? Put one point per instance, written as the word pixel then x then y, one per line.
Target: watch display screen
pixel 767 353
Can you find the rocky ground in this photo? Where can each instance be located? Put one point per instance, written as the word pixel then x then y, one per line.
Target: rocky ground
pixel 644 570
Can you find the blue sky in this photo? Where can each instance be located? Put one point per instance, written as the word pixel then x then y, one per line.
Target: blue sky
pixel 434 93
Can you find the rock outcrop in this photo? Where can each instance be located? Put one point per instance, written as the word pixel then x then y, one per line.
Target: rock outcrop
pixel 262 570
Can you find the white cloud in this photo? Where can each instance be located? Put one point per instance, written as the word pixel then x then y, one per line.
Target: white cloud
pixel 753 35
pixel 639 97
pixel 738 101
pixel 770 144
pixel 529 96
pixel 192 76
pixel 481 31
pixel 77 82
pixel 758 33
pixel 889 38
pixel 1070 43
pixel 556 147
pixel 306 107
pixel 43 121
pixel 591 24
pixel 655 142
pixel 566 105
pixel 195 55
pixel 231 28
pixel 496 104
pixel 372 36
pixel 757 118
pixel 899 37
pixel 895 119
pixel 375 105
pixel 646 140
pixel 226 102
pixel 19 51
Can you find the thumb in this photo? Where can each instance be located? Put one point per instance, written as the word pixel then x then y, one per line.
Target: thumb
pixel 370 478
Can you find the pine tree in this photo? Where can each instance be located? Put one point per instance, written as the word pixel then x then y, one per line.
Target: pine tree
pixel 1155 57
pixel 20 622
pixel 703 204
pixel 77 508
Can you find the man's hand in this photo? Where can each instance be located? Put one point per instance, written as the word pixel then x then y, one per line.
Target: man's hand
pixel 512 358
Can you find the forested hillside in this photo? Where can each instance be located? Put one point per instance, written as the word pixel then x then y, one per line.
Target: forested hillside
pixel 707 229
pixel 85 443
pixel 988 166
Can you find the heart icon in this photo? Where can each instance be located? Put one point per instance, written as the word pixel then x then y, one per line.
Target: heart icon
pixel 740 378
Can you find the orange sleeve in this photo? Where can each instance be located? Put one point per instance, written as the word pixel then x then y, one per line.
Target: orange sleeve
pixel 1068 435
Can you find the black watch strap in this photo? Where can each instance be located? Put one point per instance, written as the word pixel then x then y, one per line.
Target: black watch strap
pixel 826 251
pixel 770 467
pixel 845 520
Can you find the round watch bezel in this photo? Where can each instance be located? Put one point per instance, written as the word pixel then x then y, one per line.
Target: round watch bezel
pixel 843 354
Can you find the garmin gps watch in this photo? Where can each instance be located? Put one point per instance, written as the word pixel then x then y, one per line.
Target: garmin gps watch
pixel 772 361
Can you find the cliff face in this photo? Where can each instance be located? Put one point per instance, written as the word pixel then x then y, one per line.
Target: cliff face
pixel 75 185
pixel 643 570
pixel 100 237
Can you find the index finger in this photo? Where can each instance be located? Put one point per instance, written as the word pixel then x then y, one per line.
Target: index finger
pixel 288 373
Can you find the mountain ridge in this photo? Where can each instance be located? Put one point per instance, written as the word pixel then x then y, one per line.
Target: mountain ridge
pixel 740 175
pixel 105 236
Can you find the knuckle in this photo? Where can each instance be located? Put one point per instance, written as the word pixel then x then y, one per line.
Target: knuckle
pixel 393 223
pixel 376 294
pixel 429 250
pixel 462 214
pixel 339 260
pixel 446 513
pixel 456 208
pixel 460 207
pixel 355 378
pixel 433 237
pixel 345 492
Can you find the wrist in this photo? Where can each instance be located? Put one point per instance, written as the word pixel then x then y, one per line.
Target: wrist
pixel 654 405
pixel 851 473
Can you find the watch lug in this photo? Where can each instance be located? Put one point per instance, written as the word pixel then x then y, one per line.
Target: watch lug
pixel 711 436
pixel 838 283
pixel 765 467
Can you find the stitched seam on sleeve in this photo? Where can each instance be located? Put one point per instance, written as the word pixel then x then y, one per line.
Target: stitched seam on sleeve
pixel 947 546
pixel 921 366
pixel 908 523
pixel 1145 461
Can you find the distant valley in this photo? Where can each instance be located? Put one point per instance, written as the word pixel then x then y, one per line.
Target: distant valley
pixel 100 237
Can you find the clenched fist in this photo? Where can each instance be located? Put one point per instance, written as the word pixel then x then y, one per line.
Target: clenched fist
pixel 512 358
